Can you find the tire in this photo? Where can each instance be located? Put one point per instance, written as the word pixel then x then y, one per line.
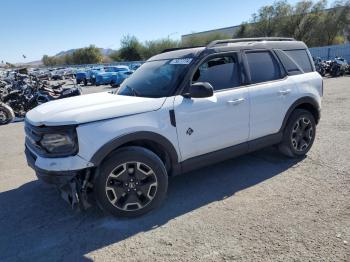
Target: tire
pixel 6 114
pixel 85 82
pixel 124 192
pixel 299 134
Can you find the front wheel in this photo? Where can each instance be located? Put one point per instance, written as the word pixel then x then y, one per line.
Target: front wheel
pixel 6 114
pixel 299 134
pixel 131 182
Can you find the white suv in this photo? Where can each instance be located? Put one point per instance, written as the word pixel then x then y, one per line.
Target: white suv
pixel 180 110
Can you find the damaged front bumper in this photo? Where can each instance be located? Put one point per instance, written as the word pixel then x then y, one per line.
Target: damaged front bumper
pixel 73 185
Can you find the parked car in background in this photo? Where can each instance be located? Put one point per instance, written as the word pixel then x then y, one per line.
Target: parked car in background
pixel 113 75
pixel 59 74
pixel 87 76
pixel 133 67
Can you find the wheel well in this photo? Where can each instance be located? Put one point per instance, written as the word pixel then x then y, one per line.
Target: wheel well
pixel 311 108
pixel 156 148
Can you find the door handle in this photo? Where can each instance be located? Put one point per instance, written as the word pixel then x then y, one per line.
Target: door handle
pixel 284 92
pixel 235 101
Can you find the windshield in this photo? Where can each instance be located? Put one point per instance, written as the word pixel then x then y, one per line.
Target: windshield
pixel 153 79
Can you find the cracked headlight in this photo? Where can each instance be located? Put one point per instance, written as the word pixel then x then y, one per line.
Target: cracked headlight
pixel 60 144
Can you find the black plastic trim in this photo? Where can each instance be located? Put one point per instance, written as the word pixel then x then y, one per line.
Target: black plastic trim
pixel 304 100
pixel 229 152
pixel 107 148
pixel 172 117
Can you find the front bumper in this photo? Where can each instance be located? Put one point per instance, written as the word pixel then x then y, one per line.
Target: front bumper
pixel 58 178
pixel 70 183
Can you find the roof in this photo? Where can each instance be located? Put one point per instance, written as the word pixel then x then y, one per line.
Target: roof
pixel 233 45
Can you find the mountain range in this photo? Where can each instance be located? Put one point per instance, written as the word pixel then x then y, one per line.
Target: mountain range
pixel 104 51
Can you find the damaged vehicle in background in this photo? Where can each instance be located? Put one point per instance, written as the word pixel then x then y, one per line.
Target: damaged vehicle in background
pixel 113 75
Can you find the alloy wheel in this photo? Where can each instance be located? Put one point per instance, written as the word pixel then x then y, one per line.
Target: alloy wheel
pixel 131 186
pixel 302 134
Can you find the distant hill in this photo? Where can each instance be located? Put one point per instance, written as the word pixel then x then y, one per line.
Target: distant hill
pixel 104 51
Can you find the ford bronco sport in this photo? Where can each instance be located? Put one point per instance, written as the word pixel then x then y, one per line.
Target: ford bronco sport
pixel 180 110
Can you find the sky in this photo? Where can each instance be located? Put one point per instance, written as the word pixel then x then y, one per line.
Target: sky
pixel 38 27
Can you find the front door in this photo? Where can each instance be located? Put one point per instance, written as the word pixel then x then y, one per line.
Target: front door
pixel 209 124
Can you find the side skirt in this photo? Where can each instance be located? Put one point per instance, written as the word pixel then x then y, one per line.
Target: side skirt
pixel 227 153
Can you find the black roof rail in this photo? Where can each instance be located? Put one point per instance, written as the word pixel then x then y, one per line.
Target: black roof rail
pixel 178 48
pixel 238 40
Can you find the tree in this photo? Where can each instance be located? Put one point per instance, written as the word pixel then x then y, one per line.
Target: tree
pixel 336 20
pixel 130 49
pixel 308 21
pixel 203 40
pixel 154 47
pixel 87 55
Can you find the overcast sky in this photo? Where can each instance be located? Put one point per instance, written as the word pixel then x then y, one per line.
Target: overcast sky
pixel 39 27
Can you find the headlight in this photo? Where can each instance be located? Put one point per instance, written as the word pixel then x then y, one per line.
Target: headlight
pixel 60 144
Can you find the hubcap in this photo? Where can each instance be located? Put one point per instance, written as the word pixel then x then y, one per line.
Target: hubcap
pixel 302 134
pixel 131 186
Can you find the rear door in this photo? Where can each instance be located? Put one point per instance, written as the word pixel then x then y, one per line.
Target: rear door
pixel 270 91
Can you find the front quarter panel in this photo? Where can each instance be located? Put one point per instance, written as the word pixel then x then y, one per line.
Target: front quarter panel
pixel 93 136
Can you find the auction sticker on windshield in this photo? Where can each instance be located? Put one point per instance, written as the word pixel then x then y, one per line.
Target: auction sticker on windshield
pixel 182 61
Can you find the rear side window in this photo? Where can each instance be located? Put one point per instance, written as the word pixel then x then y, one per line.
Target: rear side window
pixel 291 67
pixel 221 72
pixel 301 58
pixel 263 67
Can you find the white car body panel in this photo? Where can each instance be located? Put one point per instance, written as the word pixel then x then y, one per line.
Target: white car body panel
pixel 270 101
pixel 89 108
pixel 217 122
pixel 92 136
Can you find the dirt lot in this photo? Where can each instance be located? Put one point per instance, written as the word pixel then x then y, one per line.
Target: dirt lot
pixel 259 207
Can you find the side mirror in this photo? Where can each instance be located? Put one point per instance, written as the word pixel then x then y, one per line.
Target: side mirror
pixel 201 90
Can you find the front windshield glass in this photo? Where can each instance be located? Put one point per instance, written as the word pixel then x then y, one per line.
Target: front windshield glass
pixel 153 79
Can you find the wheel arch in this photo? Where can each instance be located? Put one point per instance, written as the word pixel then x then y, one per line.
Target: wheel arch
pixel 154 142
pixel 307 103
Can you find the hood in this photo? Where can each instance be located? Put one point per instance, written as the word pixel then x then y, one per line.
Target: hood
pixel 89 108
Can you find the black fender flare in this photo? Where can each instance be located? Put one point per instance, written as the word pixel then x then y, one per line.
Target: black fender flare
pixel 304 100
pixel 107 148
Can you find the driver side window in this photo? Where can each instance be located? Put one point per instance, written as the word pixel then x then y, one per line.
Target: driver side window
pixel 221 72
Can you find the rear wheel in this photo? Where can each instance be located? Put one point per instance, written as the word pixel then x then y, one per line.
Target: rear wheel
pixel 131 182
pixel 85 82
pixel 6 114
pixel 299 134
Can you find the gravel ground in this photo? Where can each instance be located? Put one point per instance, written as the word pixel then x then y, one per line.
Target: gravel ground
pixel 259 207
